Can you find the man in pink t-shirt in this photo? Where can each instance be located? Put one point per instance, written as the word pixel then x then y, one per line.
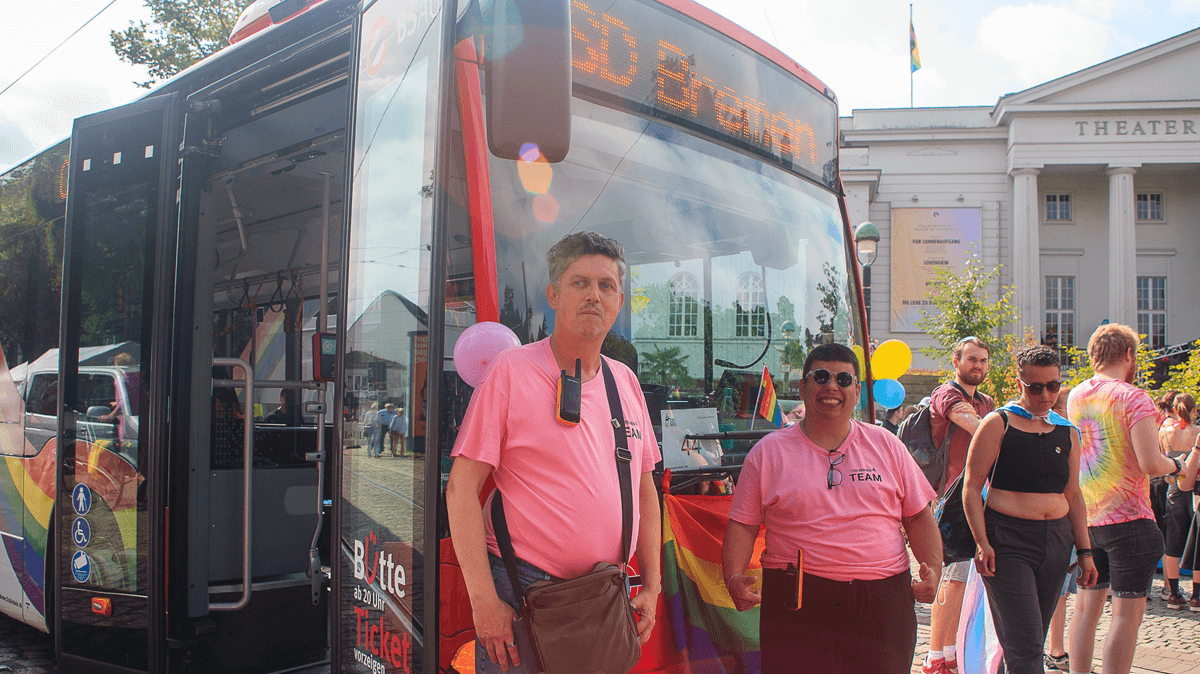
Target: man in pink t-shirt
pixel 1118 451
pixel 839 492
pixel 560 484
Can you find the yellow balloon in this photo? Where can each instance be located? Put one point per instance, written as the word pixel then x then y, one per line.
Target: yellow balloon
pixel 862 359
pixel 890 360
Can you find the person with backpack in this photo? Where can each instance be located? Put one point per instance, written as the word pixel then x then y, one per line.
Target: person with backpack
pixel 955 409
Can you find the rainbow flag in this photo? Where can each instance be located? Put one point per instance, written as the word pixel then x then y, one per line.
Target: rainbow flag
pixel 912 48
pixel 978 646
pixel 768 404
pixel 711 636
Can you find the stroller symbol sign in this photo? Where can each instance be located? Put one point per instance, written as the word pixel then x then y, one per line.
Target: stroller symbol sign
pixel 81 566
pixel 81 531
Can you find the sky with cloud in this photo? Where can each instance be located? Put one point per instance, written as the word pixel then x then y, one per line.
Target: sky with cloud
pixel 971 53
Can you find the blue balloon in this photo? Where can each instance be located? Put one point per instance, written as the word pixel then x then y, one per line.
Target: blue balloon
pixel 889 393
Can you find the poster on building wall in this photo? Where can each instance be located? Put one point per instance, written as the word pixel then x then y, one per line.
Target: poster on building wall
pixel 925 240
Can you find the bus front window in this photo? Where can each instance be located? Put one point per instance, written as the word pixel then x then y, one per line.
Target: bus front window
pixel 734 263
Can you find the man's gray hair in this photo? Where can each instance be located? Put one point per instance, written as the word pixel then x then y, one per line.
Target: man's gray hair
pixel 574 246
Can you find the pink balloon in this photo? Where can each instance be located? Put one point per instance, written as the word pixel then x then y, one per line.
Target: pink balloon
pixel 478 347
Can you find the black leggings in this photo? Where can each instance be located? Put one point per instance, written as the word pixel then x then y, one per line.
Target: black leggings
pixel 1032 557
pixel 841 627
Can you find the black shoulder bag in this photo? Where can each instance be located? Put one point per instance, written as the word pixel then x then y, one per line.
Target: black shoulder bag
pixel 958 543
pixel 584 625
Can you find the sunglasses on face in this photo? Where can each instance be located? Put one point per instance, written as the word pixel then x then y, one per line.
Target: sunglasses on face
pixel 821 377
pixel 1036 389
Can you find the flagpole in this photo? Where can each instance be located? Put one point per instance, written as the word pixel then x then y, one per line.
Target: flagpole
pixel 910 70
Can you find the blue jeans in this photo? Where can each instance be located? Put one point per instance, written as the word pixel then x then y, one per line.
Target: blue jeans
pixel 526 574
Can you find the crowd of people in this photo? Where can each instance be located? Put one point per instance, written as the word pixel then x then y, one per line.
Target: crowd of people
pixel 1055 485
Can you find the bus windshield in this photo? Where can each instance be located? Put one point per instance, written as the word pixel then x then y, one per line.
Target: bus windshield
pixel 703 226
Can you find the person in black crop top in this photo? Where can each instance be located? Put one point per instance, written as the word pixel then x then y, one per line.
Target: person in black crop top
pixel 1034 511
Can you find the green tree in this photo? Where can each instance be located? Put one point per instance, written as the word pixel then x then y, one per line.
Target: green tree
pixel 181 33
pixel 962 308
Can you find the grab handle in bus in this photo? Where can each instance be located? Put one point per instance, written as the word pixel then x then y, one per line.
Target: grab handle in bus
pixel 317 573
pixel 247 474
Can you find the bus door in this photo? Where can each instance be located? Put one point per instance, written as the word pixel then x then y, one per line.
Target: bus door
pixel 260 239
pixel 108 519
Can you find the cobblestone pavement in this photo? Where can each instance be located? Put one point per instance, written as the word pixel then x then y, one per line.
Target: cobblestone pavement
pixel 1168 642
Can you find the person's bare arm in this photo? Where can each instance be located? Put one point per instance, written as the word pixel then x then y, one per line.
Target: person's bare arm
pixel 926 543
pixel 736 551
pixel 649 545
pixel 1145 447
pixel 1077 512
pixel 981 456
pixel 964 416
pixel 492 617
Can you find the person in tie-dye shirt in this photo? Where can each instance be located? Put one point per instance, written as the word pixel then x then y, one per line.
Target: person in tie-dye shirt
pixel 1119 432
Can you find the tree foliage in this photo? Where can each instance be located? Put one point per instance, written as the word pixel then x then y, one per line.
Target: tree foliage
pixel 181 33
pixel 962 307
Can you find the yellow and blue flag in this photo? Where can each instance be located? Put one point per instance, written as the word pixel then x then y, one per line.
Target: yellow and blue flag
pixel 912 48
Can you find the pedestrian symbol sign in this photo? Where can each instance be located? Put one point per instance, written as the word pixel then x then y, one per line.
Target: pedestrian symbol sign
pixel 81 566
pixel 81 531
pixel 81 499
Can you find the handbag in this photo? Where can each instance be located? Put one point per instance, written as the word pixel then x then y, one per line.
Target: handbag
pixel 958 542
pixel 584 625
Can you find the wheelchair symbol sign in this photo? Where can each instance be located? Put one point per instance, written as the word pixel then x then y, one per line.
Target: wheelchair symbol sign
pixel 81 531
pixel 81 499
pixel 81 566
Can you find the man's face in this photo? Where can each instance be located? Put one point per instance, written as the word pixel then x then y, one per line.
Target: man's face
pixel 971 366
pixel 588 297
pixel 829 403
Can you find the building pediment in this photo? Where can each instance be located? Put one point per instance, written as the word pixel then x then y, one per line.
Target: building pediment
pixel 1162 75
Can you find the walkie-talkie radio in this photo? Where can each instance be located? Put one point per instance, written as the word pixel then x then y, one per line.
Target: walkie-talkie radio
pixel 570 395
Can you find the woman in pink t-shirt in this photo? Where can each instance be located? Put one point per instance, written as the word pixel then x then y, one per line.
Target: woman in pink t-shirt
pixel 838 491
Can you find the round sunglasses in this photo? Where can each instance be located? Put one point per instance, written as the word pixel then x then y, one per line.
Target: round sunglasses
pixel 1036 389
pixel 821 377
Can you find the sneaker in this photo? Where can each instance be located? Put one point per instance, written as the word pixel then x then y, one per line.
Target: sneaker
pixel 1165 593
pixel 1060 662
pixel 1176 601
pixel 952 667
pixel 937 666
pixel 1194 604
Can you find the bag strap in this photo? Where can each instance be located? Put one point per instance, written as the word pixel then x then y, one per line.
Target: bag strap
pixel 623 458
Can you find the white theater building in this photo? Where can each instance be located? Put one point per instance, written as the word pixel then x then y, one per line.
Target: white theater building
pixel 1085 190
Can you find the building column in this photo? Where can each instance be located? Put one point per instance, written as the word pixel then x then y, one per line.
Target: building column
pixel 1027 267
pixel 1122 247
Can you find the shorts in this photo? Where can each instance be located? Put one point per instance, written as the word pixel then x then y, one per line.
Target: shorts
pixel 1126 556
pixel 957 571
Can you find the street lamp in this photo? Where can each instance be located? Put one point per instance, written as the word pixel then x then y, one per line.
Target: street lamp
pixel 785 366
pixel 866 243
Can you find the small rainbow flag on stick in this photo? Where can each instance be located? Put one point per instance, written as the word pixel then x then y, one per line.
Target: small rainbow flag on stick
pixel 768 404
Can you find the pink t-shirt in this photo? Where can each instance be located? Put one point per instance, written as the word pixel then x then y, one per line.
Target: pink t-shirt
pixel 562 498
pixel 850 532
pixel 1114 487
